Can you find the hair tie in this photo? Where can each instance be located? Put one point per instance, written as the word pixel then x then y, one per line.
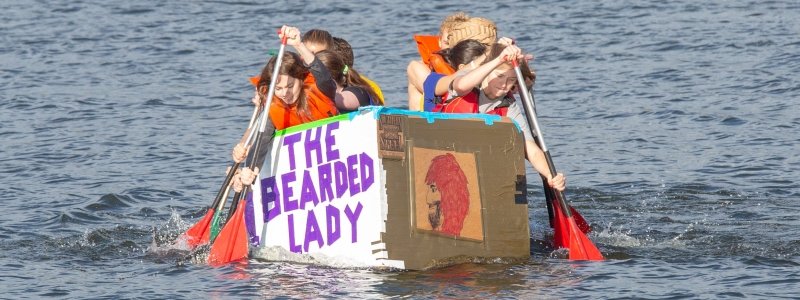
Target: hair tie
pixel 346 68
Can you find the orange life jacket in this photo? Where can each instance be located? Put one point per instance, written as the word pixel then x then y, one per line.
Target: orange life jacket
pixel 469 104
pixel 428 45
pixel 319 106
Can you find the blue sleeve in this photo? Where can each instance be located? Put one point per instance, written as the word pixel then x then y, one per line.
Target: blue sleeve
pixel 429 90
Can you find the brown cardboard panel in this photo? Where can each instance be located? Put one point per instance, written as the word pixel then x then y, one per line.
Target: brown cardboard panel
pixel 492 154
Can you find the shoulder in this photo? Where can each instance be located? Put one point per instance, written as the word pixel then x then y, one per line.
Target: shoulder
pixel 360 93
pixel 356 90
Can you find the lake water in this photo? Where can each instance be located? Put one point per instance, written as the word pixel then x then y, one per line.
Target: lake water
pixel 675 123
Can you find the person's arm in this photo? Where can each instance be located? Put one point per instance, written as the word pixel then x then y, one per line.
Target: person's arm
pixel 465 84
pixel 516 113
pixel 293 39
pixel 322 76
pixel 443 85
pixel 246 175
pixel 417 71
pixel 323 79
pixel 351 98
pixel 533 153
pixel 536 157
pixel 266 145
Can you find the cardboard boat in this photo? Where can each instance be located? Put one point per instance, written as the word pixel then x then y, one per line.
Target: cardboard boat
pixel 385 187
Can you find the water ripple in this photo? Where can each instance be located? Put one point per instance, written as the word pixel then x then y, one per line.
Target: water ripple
pixel 673 121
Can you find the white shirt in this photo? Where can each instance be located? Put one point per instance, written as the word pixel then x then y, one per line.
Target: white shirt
pixel 515 112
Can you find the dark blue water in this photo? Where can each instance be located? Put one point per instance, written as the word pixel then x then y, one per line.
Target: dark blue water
pixel 675 122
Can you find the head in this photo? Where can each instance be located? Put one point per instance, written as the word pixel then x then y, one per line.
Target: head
pixel 467 53
pixel 345 75
pixel 289 86
pixel 480 29
pixel 317 40
pixel 447 195
pixel 447 25
pixel 345 51
pixel 502 79
pixel 333 62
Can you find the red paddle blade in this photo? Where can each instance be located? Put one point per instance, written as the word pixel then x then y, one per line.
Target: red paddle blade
pixel 231 243
pixel 582 224
pixel 560 227
pixel 198 234
pixel 580 247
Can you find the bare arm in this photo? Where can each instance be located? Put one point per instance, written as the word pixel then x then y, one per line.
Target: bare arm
pixel 292 35
pixel 536 157
pixel 443 85
pixel 465 84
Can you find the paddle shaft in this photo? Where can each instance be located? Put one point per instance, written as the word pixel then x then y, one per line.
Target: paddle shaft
pixel 223 189
pixel 232 243
pixel 530 115
pixel 549 195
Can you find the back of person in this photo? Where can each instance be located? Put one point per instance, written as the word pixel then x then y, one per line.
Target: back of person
pixel 352 91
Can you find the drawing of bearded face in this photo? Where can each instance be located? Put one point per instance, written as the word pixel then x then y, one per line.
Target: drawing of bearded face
pixel 433 199
pixel 447 195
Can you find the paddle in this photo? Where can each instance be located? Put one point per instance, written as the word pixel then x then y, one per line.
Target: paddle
pixel 216 222
pixel 199 233
pixel 550 198
pixel 580 247
pixel 231 243
pixel 216 225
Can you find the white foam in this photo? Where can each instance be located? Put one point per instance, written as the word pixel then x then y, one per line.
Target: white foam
pixel 617 238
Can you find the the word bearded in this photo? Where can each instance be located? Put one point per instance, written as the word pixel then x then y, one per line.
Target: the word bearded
pixel 298 192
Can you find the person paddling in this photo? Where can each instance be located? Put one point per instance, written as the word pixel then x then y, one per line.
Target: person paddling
pixel 304 92
pixel 488 89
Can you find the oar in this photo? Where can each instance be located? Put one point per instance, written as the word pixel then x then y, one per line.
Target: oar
pixel 216 222
pixel 231 243
pixel 199 233
pixel 580 247
pixel 550 199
